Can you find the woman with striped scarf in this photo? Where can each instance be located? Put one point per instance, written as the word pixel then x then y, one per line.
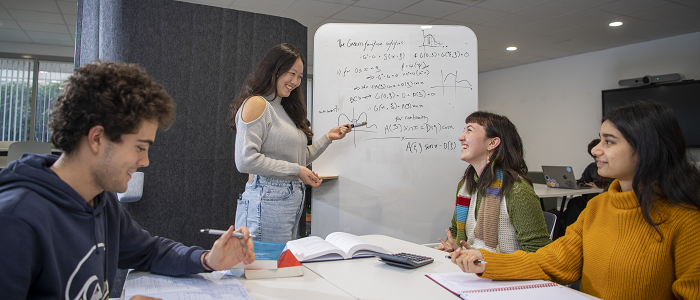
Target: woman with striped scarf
pixel 496 207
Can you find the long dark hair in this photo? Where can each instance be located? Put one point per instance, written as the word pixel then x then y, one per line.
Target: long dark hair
pixel 508 155
pixel 262 81
pixel 663 171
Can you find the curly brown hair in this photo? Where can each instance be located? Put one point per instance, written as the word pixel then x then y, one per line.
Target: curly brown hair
pixel 116 96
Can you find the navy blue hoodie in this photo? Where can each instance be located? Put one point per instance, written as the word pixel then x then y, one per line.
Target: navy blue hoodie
pixel 53 244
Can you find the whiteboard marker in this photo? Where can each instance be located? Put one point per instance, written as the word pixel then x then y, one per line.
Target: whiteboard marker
pixel 358 124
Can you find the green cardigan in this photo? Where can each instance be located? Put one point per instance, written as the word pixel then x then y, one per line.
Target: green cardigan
pixel 524 212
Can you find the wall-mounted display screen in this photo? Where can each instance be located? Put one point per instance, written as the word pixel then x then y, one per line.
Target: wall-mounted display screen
pixel 682 97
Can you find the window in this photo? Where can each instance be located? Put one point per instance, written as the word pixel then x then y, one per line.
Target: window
pixel 26 95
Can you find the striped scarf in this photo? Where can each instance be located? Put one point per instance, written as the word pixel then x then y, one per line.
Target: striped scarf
pixel 486 228
pixel 461 211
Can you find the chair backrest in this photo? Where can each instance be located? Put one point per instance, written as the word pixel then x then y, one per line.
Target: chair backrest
pixel 135 190
pixel 16 149
pixel 536 177
pixel 551 220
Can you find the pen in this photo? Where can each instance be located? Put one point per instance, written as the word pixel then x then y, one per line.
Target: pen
pixel 220 232
pixel 358 124
pixel 476 262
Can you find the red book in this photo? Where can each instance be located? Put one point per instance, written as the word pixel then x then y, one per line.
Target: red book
pixel 287 266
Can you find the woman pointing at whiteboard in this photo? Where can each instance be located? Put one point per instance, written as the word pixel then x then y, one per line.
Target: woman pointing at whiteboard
pixel 269 117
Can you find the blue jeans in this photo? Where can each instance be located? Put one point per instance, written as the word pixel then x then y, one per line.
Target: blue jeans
pixel 271 208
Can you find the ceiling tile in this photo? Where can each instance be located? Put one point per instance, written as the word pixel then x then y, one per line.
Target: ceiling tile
pixel 448 22
pixel 4 14
pixel 584 4
pixel 669 11
pixel 256 10
pixel 434 9
pixel 71 19
pixel 550 10
pixel 486 31
pixel 38 35
pixel 577 32
pixel 691 22
pixel 512 21
pixel 475 15
pixel 691 3
pixel 626 7
pixel 346 2
pixel 390 5
pixel 399 18
pixel 9 24
pixel 44 27
pixel 655 30
pixel 32 5
pixel 314 8
pixel 361 14
pixel 68 42
pixel 14 39
pixel 305 20
pixel 584 17
pixel 68 8
pixel 12 33
pixel 270 7
pixel 35 16
pixel 545 51
pixel 514 36
pixel 509 5
pixel 544 27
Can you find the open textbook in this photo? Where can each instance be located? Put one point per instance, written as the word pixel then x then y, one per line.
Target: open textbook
pixel 336 246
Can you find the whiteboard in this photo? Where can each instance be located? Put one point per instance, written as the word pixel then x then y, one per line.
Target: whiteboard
pixel 414 85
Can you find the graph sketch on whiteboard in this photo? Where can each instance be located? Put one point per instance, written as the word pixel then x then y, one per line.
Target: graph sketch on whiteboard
pixel 361 118
pixel 455 82
pixel 430 41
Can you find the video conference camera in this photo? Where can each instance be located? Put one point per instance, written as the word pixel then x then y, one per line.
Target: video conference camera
pixel 646 80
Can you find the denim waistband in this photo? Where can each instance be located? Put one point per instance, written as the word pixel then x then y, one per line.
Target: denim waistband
pixel 264 180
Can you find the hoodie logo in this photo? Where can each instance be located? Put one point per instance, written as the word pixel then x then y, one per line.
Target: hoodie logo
pixel 91 289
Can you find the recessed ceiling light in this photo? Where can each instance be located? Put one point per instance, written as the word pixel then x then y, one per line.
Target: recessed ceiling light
pixel 615 24
pixel 512 48
pixel 27 56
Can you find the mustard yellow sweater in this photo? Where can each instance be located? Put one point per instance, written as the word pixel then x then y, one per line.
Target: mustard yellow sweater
pixel 615 253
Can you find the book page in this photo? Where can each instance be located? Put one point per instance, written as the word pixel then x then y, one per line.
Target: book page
pixel 349 243
pixel 457 282
pixel 199 286
pixel 311 247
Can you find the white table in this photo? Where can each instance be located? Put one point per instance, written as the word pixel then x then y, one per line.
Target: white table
pixel 310 286
pixel 369 278
pixel 361 278
pixel 543 191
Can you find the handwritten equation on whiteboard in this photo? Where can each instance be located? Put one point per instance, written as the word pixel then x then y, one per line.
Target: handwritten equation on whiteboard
pixel 401 88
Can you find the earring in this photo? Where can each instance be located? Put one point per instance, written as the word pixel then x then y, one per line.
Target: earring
pixel 488 158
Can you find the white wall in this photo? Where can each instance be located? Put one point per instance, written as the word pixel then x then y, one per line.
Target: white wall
pixel 556 104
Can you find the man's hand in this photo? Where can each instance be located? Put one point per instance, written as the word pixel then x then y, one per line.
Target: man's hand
pixel 228 250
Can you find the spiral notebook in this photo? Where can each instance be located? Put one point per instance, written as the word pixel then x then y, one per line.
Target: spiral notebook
pixel 472 287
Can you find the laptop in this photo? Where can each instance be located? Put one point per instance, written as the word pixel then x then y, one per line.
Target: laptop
pixel 561 177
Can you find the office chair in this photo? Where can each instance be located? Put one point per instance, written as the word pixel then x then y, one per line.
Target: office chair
pixel 551 220
pixel 16 149
pixel 134 192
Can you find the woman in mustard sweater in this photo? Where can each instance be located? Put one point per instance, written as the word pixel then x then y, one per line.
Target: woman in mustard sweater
pixel 640 239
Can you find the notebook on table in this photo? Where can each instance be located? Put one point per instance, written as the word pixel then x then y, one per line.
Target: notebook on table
pixel 472 287
pixel 561 177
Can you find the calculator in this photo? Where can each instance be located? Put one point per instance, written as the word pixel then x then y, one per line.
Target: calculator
pixel 404 260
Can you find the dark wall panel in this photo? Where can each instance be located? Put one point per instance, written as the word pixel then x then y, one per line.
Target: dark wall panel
pixel 201 55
